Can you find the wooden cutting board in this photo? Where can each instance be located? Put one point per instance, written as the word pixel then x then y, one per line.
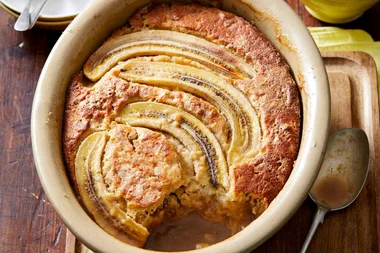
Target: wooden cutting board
pixel 354 103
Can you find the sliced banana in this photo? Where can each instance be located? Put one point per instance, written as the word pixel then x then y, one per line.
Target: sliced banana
pixel 163 42
pixel 98 201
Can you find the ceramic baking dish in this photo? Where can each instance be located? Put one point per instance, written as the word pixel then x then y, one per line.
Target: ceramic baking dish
pixel 86 33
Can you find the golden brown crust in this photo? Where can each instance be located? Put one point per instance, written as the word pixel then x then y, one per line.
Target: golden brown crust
pixel 272 94
pixel 141 165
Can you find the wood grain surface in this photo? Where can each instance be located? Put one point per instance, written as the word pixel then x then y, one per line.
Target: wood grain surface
pixel 29 224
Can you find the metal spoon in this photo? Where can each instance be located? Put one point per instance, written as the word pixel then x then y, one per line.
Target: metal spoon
pixel 23 21
pixel 342 175
pixel 26 20
pixel 36 13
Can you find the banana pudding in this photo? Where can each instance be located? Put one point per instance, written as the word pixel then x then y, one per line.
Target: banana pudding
pixel 185 109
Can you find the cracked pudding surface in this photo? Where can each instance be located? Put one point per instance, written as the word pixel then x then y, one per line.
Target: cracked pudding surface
pixel 185 109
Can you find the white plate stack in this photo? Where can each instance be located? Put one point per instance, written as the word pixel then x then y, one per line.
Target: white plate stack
pixel 56 14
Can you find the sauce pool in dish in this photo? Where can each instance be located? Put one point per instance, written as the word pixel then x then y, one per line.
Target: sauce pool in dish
pixel 188 233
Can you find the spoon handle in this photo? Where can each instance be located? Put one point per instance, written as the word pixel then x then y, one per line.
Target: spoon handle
pixel 23 21
pixel 318 218
pixel 36 13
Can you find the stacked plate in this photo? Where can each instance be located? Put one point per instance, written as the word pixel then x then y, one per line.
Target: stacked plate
pixel 55 15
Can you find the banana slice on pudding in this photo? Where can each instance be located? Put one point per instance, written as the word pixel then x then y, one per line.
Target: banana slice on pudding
pixel 161 42
pixel 92 189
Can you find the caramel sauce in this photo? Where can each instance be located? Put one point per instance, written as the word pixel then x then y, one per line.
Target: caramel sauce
pixel 332 191
pixel 187 233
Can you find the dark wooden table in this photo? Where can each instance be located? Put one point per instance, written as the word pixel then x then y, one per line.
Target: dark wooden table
pixel 27 222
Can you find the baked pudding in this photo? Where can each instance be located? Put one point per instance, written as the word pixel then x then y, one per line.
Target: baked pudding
pixel 186 109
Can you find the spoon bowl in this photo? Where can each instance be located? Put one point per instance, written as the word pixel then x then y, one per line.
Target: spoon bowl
pixel 344 169
pixel 342 175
